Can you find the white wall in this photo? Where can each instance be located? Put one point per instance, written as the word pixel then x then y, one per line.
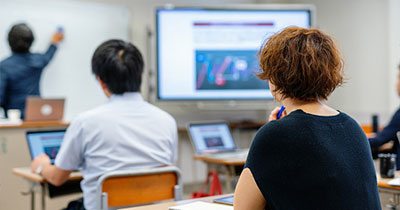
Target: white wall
pixel 394 52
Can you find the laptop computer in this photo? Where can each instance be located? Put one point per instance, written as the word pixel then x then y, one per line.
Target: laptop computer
pixel 45 142
pixel 214 139
pixel 49 142
pixel 39 109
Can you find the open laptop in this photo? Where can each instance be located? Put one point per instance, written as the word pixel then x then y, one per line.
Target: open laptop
pixel 214 139
pixel 39 109
pixel 47 142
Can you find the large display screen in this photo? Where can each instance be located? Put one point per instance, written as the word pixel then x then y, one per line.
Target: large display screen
pixel 206 54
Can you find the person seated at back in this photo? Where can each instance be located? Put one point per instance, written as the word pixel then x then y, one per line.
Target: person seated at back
pixel 21 72
pixel 388 135
pixel 314 157
pixel 125 133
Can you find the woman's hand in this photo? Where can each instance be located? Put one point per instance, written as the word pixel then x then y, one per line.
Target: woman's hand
pixel 274 114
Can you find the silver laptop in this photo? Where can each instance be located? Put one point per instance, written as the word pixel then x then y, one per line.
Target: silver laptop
pixel 39 109
pixel 214 139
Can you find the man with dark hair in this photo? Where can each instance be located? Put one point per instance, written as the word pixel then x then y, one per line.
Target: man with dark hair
pixel 20 73
pixel 125 133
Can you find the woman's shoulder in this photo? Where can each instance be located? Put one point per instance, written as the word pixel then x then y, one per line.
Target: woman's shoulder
pixel 276 131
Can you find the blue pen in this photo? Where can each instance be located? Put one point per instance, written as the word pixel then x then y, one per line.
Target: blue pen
pixel 280 112
pixel 60 29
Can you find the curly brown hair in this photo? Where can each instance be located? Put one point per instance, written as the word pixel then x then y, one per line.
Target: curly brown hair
pixel 302 64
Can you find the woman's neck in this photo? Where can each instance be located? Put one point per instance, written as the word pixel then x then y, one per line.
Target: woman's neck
pixel 313 107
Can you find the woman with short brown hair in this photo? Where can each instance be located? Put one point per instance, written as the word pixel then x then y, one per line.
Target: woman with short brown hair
pixel 313 157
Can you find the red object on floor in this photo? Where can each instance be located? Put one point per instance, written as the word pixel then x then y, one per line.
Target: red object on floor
pixel 215 186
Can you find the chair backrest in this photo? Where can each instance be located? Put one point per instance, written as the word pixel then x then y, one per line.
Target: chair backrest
pixel 134 187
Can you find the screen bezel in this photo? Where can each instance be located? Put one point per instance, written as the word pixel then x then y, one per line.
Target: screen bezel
pixel 246 7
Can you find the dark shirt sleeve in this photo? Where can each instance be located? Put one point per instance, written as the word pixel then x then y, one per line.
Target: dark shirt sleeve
pixel 3 86
pixel 388 133
pixel 48 55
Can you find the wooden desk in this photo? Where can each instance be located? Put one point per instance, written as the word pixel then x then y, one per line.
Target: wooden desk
pixel 164 206
pixel 35 179
pixel 213 164
pixel 14 153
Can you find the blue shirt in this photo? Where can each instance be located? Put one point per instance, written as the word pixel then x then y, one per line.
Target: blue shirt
pixel 389 134
pixel 20 76
pixel 124 134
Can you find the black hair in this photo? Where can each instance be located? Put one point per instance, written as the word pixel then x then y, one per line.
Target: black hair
pixel 119 65
pixel 20 38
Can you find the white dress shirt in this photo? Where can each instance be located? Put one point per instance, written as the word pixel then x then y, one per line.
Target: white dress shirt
pixel 125 133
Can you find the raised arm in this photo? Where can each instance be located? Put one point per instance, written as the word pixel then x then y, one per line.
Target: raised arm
pixel 57 38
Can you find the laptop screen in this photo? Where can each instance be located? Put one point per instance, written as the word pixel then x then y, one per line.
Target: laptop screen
pixel 215 137
pixel 46 142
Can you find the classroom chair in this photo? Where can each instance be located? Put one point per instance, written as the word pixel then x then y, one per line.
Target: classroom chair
pixel 135 187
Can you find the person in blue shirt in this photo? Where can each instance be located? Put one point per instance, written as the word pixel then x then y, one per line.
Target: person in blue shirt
pixel 388 134
pixel 20 73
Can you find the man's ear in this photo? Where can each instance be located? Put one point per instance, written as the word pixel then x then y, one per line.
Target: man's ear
pixel 102 84
pixel 104 87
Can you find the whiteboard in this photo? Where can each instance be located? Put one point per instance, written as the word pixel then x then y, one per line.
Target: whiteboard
pixel 86 26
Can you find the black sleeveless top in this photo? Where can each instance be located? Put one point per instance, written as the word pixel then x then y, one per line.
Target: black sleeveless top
pixel 310 162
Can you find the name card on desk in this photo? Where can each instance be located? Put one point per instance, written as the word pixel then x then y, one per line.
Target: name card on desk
pixel 200 205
